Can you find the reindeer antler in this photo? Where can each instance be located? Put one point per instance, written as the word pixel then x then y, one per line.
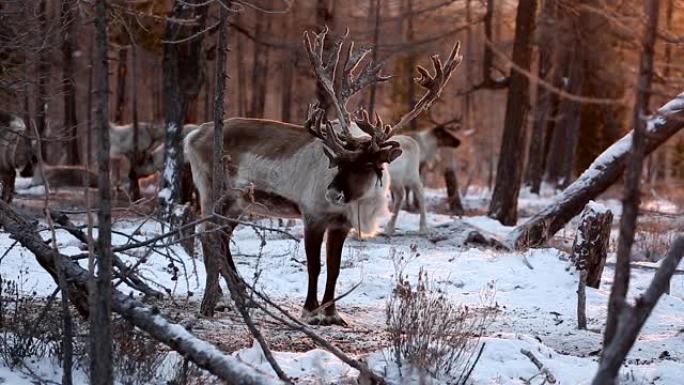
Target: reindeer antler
pixel 325 72
pixel 378 131
pixel 433 84
pixel 319 127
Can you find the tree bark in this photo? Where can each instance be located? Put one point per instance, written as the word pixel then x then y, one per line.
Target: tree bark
pixel 288 66
pixel 43 74
pixel 101 300
pixel 69 16
pixel 569 120
pixel 374 6
pixel 543 105
pixel 183 76
pixel 632 196
pixel 453 194
pixel 260 69
pixel 121 75
pixel 504 204
pixel 211 258
pixel 134 187
pixel 324 18
pixel 410 65
pixel 203 354
pixel 590 247
pixel 242 76
pixel 605 171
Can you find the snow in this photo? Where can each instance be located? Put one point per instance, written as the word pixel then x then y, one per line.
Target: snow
pixel 535 307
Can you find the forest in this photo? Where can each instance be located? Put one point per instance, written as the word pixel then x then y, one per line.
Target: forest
pixel 341 192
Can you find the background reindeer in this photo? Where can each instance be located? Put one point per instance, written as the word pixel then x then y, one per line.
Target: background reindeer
pixel 15 152
pixel 331 178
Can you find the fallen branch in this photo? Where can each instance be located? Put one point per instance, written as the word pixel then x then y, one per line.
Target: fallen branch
pixel 603 172
pixel 200 352
pixel 125 273
pixel 544 370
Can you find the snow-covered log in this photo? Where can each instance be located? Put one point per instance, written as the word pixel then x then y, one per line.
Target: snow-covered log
pixel 601 174
pixel 202 353
pixel 591 242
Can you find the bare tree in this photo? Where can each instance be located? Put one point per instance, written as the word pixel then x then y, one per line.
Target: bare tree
pixel 374 15
pixel 69 17
pixel 101 298
pixel 183 77
pixel 43 74
pixel 260 68
pixel 121 75
pixel 543 106
pixel 632 197
pixel 212 264
pixel 504 204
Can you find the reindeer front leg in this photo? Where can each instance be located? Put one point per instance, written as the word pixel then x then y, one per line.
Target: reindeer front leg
pixel 313 238
pixel 334 246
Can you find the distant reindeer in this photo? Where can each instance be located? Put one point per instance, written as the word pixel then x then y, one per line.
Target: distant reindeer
pixel 333 180
pixel 121 137
pixel 150 147
pixel 15 152
pixel 152 160
pixel 63 176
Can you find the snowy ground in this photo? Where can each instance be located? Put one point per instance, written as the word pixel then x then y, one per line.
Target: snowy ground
pixel 535 307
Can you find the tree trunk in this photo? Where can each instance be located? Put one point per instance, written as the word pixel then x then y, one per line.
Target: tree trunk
pixel 288 66
pixel 211 262
pixel 101 299
pixel 134 187
pixel 605 171
pixel 632 196
pixel 43 74
pixel 488 55
pixel 569 120
pixel 183 76
pixel 324 18
pixel 543 105
pixel 260 69
pixel 590 248
pixel 121 75
pixel 374 8
pixel 69 16
pixel 242 76
pixel 453 194
pixel 410 65
pixel 504 205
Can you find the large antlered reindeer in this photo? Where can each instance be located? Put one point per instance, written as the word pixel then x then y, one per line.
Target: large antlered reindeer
pixel 331 179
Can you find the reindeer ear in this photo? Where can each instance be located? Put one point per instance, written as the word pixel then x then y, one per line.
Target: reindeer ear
pixel 390 154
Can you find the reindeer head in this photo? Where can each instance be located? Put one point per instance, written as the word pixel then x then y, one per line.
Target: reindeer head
pixel 360 161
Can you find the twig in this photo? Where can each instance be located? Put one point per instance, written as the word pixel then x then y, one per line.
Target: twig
pixel 295 324
pixel 544 370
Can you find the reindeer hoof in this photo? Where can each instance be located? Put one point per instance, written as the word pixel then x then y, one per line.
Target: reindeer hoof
pixel 423 230
pixel 333 319
pixel 318 318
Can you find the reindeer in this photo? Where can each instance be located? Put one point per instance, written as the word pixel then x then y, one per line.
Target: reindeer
pixel 15 152
pixel 331 179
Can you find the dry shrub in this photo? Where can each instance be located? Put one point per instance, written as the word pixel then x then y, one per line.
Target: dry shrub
pixel 137 357
pixel 30 328
pixel 654 237
pixel 428 331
